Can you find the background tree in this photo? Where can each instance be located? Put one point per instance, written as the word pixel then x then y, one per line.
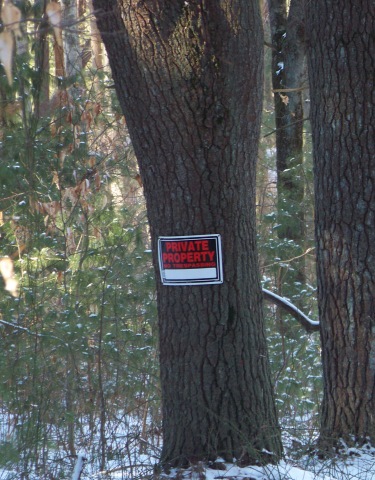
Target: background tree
pixel 189 79
pixel 285 208
pixel 289 80
pixel 341 58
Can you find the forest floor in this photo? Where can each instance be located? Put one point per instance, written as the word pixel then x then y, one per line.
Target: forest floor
pixel 349 464
pixel 358 466
pixel 138 459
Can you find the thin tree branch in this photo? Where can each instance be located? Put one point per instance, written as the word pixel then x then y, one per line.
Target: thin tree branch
pixel 306 322
pixel 289 90
pixel 286 126
pixel 269 45
pixel 289 259
pixel 29 332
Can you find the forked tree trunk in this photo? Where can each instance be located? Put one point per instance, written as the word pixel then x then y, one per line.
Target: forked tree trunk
pixel 341 72
pixel 189 79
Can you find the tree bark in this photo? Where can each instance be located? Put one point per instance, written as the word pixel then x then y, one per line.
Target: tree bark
pixel 189 79
pixel 288 79
pixel 341 58
pixel 72 48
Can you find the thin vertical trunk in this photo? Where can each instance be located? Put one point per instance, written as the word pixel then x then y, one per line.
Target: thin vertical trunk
pixel 96 42
pixel 70 409
pixel 72 48
pixel 42 67
pixel 59 61
pixel 288 79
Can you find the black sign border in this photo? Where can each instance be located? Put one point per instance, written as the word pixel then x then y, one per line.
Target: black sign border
pixel 201 281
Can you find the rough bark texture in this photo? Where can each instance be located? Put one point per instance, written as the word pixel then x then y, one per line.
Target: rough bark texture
pixel 189 79
pixel 341 72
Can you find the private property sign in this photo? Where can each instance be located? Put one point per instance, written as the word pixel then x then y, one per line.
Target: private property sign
pixel 190 260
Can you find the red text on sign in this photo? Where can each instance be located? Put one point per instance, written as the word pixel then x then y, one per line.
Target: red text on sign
pixel 189 257
pixel 191 246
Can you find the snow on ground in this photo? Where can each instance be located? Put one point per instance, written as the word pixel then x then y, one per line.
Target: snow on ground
pixel 360 466
pixel 352 464
pixel 355 464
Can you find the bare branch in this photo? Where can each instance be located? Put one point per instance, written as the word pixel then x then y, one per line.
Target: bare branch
pixel 306 322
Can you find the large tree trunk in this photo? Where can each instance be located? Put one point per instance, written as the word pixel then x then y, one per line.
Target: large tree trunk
pixel 341 71
pixel 189 79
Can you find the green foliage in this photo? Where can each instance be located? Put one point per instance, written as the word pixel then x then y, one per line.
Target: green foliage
pixel 79 342
pixel 294 354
